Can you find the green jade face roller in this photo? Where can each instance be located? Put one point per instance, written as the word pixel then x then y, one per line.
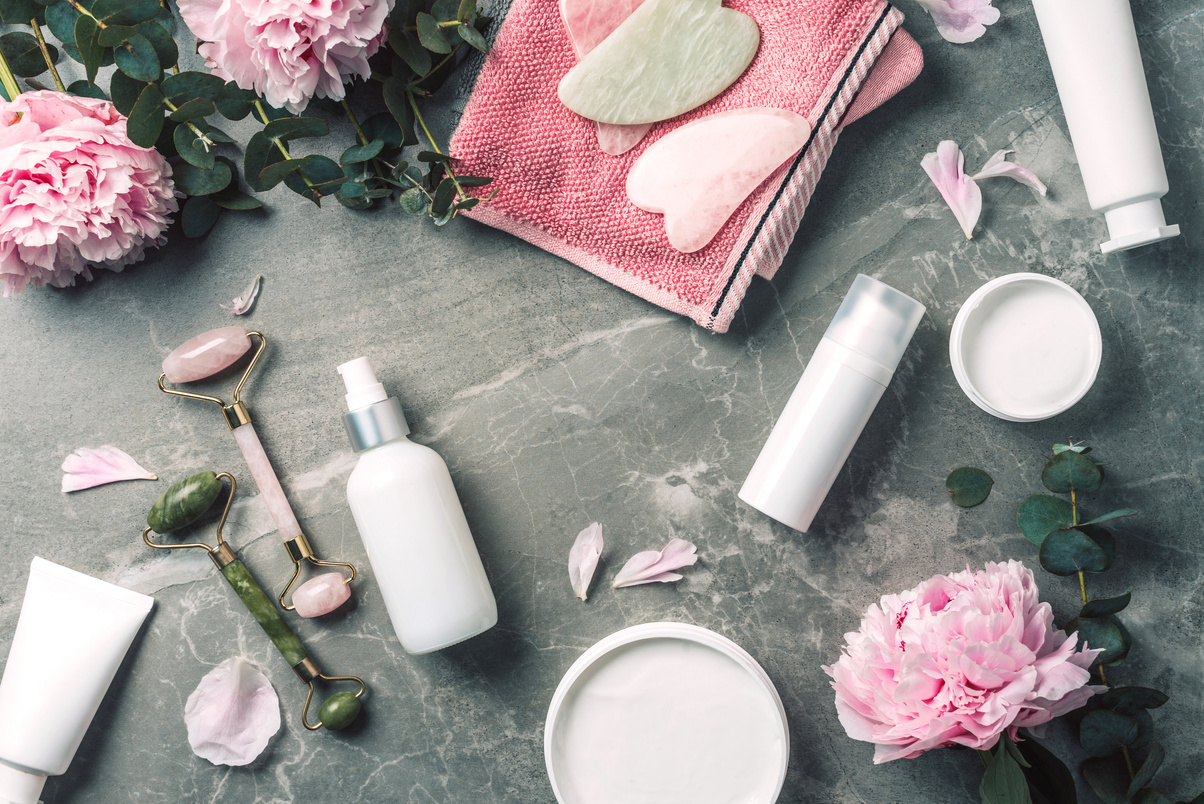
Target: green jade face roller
pixel 182 505
pixel 204 356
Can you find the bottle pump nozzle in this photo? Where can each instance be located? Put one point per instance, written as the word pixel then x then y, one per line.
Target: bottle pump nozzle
pixel 374 417
pixel 362 387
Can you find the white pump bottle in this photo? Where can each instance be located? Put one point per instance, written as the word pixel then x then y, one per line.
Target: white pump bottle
pixel 413 527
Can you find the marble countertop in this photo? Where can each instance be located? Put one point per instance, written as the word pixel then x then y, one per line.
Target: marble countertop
pixel 558 400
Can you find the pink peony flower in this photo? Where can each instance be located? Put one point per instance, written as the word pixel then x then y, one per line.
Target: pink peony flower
pixel 961 21
pixel 74 190
pixel 956 661
pixel 288 51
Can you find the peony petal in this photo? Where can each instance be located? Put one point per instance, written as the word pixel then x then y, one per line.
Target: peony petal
pixel 652 566
pixel 998 165
pixel 86 468
pixel 242 304
pixel 961 21
pixel 583 558
pixel 946 168
pixel 232 714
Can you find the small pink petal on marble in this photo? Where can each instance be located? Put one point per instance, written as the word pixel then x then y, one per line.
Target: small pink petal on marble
pixel 232 714
pixel 243 304
pixel 656 566
pixel 588 23
pixel 86 468
pixel 206 354
pixel 583 559
pixel 961 21
pixel 946 168
pixel 697 175
pixel 321 594
pixel 998 165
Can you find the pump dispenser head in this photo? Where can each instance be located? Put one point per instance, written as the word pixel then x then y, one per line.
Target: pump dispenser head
pixel 374 417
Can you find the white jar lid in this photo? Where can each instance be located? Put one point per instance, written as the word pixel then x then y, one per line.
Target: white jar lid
pixel 1025 347
pixel 667 713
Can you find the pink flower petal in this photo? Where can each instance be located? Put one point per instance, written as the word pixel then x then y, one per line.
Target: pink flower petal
pixel 946 168
pixel 86 468
pixel 652 566
pixel 232 714
pixel 961 21
pixel 998 165
pixel 242 304
pixel 583 558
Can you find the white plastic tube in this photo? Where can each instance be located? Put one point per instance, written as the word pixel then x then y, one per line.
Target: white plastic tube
pixel 832 402
pixel 1092 47
pixel 72 635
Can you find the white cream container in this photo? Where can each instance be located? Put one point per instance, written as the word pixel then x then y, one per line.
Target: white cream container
pixel 666 713
pixel 1025 347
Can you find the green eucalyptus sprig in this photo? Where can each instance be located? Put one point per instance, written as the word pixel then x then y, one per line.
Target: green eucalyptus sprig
pixel 1118 727
pixel 172 110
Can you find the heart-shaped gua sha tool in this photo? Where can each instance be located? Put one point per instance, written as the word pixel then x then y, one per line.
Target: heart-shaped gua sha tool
pixel 668 57
pixel 698 174
pixel 588 23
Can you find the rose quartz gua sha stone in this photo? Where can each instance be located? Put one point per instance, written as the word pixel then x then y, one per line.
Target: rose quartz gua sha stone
pixel 588 23
pixel 205 355
pixel 698 174
pixel 668 57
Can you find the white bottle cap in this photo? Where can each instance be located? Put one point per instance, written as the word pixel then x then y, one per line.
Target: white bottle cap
pixel 1137 224
pixel 362 388
pixel 876 321
pixel 19 787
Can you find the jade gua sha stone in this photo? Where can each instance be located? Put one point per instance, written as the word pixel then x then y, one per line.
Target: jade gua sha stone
pixel 206 355
pixel 589 22
pixel 698 174
pixel 668 57
pixel 184 503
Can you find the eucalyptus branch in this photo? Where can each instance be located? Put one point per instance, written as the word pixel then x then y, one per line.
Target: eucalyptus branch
pixel 431 139
pixel 263 115
pixel 54 73
pixel 195 130
pixel 7 79
pixel 78 7
pixel 436 68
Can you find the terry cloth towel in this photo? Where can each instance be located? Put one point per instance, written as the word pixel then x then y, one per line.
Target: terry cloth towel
pixel 559 191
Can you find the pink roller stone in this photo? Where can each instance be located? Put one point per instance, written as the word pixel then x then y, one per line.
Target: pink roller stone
pixel 321 594
pixel 206 354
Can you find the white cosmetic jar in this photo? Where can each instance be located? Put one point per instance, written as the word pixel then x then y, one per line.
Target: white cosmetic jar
pixel 666 712
pixel 1025 347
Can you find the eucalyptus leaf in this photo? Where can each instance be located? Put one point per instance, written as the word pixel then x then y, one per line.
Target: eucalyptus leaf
pixel 967 486
pixel 473 37
pixel 161 40
pixel 1042 514
pixel 430 34
pixel 146 118
pixel 125 91
pixel 433 156
pixel 274 173
pixel 1131 700
pixel 91 52
pixel 180 88
pixel 1047 774
pixel 1079 448
pixel 406 45
pixel 1069 551
pixel 1102 537
pixel 384 128
pixel 1101 633
pixel 19 12
pixel 60 19
pixel 1122 512
pixel 395 95
pixel 84 89
pixel 1071 471
pixel 445 10
pixel 213 132
pixel 1103 606
pixel 413 201
pixel 1103 731
pixel 295 128
pixel 445 193
pixel 198 216
pixel 234 198
pixel 1003 781
pixel 467 10
pixel 405 12
pixel 1145 774
pixel 192 148
pixel 467 203
pixel 1126 641
pixel 23 55
pixel 1145 729
pixel 473 181
pixel 197 107
pixel 136 58
pixel 125 12
pixel 442 220
pixel 195 181
pixel 1149 796
pixel 234 102
pixel 362 153
pixel 1108 778
pixel 113 35
pixel 257 155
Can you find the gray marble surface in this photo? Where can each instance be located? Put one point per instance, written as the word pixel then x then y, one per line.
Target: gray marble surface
pixel 558 400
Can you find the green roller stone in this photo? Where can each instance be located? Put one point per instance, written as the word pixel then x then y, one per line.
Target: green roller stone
pixel 265 612
pixel 339 711
pixel 184 502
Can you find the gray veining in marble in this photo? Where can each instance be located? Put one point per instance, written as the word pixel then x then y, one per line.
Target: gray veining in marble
pixel 558 400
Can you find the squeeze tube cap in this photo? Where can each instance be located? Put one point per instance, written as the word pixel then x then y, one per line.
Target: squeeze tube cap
pixel 1137 224
pixel 374 417
pixel 19 787
pixel 876 321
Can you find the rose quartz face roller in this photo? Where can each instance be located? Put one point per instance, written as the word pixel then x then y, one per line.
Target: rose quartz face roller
pixel 206 355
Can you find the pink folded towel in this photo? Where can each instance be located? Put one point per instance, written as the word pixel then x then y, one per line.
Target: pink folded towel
pixel 559 191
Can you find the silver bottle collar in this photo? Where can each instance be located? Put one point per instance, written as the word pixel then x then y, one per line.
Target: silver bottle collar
pixel 374 425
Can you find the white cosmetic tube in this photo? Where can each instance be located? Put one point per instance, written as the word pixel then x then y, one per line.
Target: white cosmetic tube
pixel 1092 47
pixel 832 402
pixel 72 635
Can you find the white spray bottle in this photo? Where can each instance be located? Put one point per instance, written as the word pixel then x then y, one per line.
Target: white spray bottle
pixel 413 527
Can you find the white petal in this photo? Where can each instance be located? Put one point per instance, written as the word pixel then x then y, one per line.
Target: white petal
pixel 946 168
pixel 86 468
pixel 232 714
pixel 998 165
pixel 652 566
pixel 243 303
pixel 583 558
